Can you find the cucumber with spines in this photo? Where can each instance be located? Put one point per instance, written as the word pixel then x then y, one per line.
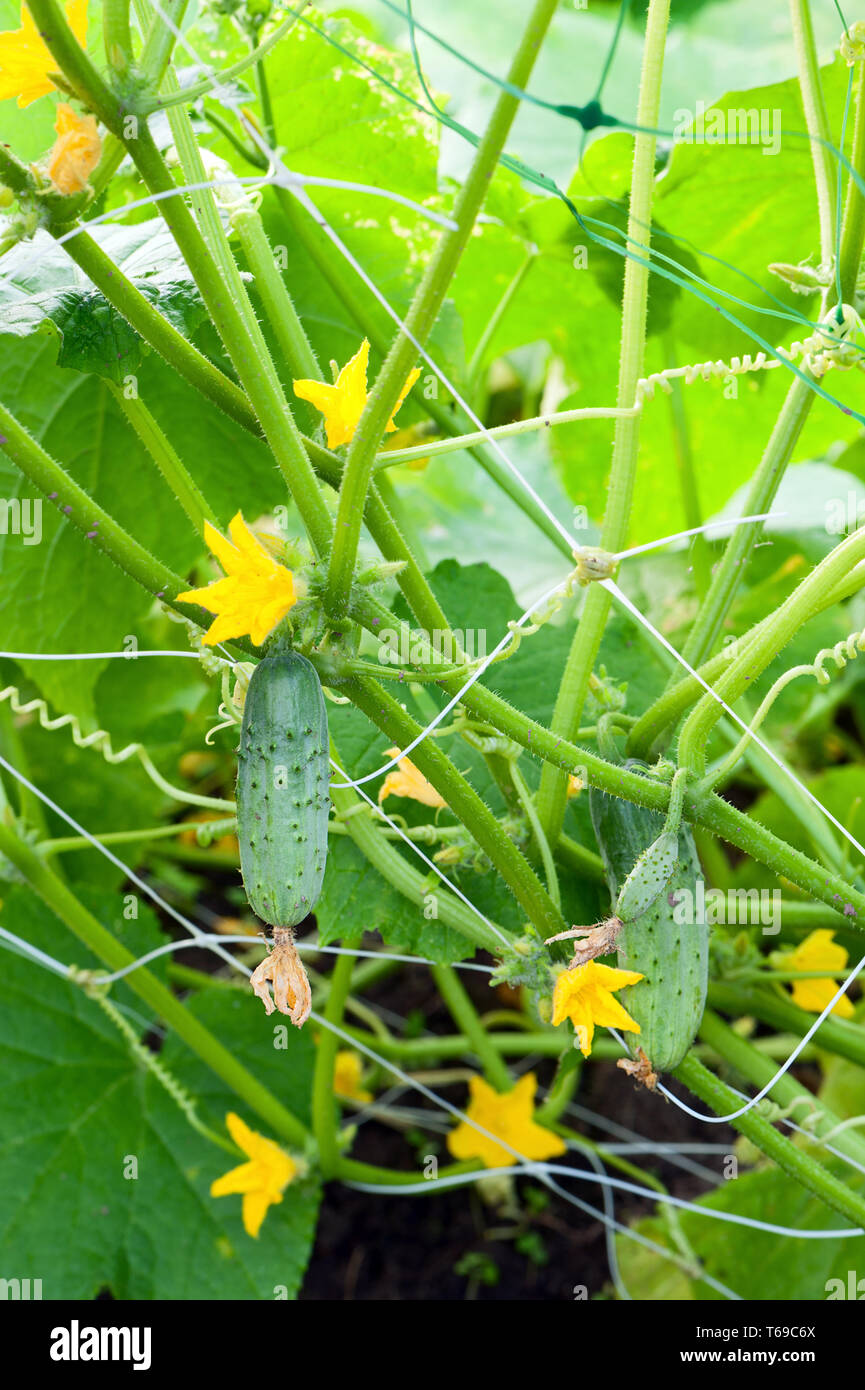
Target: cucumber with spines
pixel 668 1002
pixel 283 775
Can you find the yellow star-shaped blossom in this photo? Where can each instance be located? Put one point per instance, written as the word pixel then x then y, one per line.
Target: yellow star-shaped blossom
pixel 819 951
pixel 407 780
pixel 511 1118
pixel 254 596
pixel 346 1076
pixel 343 404
pixel 584 995
pixel 76 151
pixel 25 59
pixel 262 1181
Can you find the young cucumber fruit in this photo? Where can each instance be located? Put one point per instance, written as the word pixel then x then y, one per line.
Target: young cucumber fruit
pixel 668 1003
pixel 283 775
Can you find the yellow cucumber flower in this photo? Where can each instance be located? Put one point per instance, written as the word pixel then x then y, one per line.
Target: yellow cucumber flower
pixel 819 951
pixel 25 59
pixel 584 995
pixel 407 780
pixel 262 1181
pixel 254 596
pixel 76 151
pixel 343 404
pixel 511 1117
pixel 346 1076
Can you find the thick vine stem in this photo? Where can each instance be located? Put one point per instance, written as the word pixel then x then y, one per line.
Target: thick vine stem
pixel 853 226
pixel 677 698
pixel 164 1004
pixel 744 669
pixel 424 310
pixel 116 34
pixel 806 1170
pixel 80 509
pixel 232 317
pixel 836 1035
pixel 324 1111
pixel 571 698
pixel 787 1091
pixel 817 121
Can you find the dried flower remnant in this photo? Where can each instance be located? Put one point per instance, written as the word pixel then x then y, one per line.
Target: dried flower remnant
pixel 599 940
pixel 283 969
pixel 76 151
pixel 640 1068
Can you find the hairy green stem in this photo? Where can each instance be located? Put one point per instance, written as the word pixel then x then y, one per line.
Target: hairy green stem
pixel 421 316
pixel 164 455
pixel 748 664
pixel 116 34
pixel 817 122
pixel 324 1109
pixel 677 698
pixel 277 301
pixel 571 698
pixel 806 1170
pixel 462 1010
pixel 836 1035
pixel 755 1067
pixel 853 225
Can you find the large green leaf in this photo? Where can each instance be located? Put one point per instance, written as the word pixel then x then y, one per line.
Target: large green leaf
pixel 755 1264
pixel 42 290
pixel 76 1107
pixel 62 594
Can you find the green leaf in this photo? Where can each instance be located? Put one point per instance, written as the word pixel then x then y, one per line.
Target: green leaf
pixel 62 594
pixel 42 290
pixel 755 1264
pixel 76 1108
pixel 356 895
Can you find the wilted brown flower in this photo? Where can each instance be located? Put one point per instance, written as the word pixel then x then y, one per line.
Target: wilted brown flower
pixel 283 969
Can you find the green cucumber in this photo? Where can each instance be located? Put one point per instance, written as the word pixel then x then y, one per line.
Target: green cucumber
pixel 283 774
pixel 668 1003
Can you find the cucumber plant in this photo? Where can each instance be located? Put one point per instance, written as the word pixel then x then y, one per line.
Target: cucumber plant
pixel 198 340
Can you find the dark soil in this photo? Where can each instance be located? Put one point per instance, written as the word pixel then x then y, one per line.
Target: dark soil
pixel 408 1247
